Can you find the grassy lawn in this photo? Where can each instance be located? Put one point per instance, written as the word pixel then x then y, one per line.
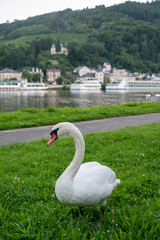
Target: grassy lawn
pixel 29 208
pixel 37 117
pixel 64 37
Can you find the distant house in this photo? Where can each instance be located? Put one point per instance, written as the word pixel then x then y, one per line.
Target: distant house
pixel 119 74
pixel 82 70
pixel 89 76
pixel 52 74
pixel 10 74
pixel 32 70
pixel 107 67
pixel 63 51
pixel 155 77
pixel 94 76
pixel 99 76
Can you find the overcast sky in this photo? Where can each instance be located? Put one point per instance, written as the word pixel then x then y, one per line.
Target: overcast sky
pixel 22 9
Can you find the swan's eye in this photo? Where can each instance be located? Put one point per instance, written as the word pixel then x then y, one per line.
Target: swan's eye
pixel 54 136
pixel 54 132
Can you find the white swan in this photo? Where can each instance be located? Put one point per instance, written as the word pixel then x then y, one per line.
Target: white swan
pixel 80 184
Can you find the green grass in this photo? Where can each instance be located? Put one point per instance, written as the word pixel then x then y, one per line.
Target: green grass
pixel 29 208
pixel 64 37
pixel 37 117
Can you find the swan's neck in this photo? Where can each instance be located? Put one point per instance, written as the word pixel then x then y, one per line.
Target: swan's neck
pixel 74 166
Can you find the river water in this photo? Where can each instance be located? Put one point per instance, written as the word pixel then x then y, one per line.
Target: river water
pixel 15 100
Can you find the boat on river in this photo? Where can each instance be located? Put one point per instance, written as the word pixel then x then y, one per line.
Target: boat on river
pixel 133 85
pixel 23 85
pixel 81 84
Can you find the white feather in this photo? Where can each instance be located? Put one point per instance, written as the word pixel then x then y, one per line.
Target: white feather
pixel 85 184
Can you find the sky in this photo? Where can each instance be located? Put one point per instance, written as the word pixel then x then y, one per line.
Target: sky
pixel 22 9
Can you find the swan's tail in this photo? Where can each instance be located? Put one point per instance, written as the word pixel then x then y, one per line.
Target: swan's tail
pixel 117 181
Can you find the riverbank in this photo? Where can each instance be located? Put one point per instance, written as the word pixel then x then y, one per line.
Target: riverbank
pixel 58 87
pixel 28 204
pixel 32 117
pixel 101 125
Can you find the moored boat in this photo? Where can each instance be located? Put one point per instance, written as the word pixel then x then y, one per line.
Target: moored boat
pixel 133 85
pixel 23 85
pixel 81 84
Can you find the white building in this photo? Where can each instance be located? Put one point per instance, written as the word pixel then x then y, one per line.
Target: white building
pixel 63 51
pixel 10 74
pixel 155 77
pixel 94 76
pixel 82 70
pixel 99 75
pixel 33 70
pixel 107 67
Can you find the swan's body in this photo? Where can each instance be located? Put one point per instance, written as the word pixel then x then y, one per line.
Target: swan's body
pixel 80 184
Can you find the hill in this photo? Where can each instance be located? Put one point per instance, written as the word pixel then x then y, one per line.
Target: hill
pixel 126 35
pixel 149 12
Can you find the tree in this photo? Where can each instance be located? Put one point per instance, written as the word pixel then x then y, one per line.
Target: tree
pixel 36 77
pixel 59 80
pixel 145 51
pixel 35 48
pixel 27 75
pixel 58 45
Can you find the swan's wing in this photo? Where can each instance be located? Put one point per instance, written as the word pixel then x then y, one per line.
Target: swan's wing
pixel 94 172
pixel 93 183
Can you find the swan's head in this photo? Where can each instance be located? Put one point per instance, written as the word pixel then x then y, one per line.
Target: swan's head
pixel 64 129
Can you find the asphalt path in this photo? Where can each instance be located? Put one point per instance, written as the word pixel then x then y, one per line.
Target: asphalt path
pixel 36 133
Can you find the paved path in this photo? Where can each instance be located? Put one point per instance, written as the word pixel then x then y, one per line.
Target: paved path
pixel 35 133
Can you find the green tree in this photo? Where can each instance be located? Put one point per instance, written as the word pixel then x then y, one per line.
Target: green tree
pixel 35 48
pixel 58 45
pixel 27 75
pixel 36 77
pixel 59 80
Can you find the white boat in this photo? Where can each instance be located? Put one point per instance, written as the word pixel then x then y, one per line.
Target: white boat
pixel 23 85
pixel 133 85
pixel 81 84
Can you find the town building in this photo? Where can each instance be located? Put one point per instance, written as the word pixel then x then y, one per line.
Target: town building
pixel 82 70
pixel 33 70
pixel 10 74
pixel 107 67
pixel 119 74
pixel 63 49
pixel 88 76
pixel 97 75
pixel 155 77
pixel 52 74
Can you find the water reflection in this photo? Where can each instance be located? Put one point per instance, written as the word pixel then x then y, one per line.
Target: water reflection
pixel 11 101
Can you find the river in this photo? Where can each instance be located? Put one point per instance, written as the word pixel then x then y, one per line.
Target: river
pixel 15 100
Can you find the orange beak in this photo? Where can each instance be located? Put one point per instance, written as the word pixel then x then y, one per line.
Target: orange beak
pixel 52 139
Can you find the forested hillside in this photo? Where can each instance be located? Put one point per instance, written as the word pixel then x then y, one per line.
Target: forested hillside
pixel 149 12
pixel 126 35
